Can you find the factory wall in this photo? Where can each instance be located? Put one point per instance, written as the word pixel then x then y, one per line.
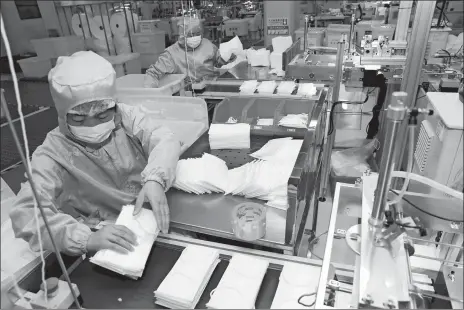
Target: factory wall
pixel 20 32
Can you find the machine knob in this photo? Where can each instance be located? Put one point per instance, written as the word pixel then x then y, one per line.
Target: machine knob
pixel 311 75
pixel 52 286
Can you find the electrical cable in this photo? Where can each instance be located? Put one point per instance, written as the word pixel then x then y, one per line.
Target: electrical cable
pixel 449 54
pixel 26 143
pixel 25 158
pixel 312 242
pixel 427 212
pixel 374 124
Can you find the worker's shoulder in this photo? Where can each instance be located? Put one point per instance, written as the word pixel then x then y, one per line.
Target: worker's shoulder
pixel 206 41
pixel 55 143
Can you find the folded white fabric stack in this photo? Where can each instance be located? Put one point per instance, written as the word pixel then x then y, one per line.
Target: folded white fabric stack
pixel 265 178
pixel 229 136
pixel 133 263
pixel 296 280
pixel 280 155
pixel 240 284
pixel 294 120
pixel 258 58
pixel 286 88
pixel 249 87
pixel 233 46
pixel 267 87
pixel 185 283
pixel 207 174
pixel 306 90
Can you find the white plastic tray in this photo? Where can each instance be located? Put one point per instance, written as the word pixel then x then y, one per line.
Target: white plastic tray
pixel 187 117
pixel 132 84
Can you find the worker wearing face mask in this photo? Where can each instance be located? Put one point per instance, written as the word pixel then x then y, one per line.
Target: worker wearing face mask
pixel 202 56
pixel 103 155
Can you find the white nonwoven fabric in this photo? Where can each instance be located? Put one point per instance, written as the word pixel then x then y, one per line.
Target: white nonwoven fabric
pixel 229 136
pixel 294 120
pixel 249 87
pixel 306 90
pixel 185 283
pixel 258 58
pixel 296 280
pixel 133 263
pixel 281 44
pixel 240 284
pixel 233 46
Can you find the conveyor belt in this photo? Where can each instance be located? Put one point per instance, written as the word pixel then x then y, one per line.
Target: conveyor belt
pixel 101 289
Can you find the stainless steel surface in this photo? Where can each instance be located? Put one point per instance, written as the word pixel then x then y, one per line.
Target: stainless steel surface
pixel 305 33
pixel 414 62
pixel 437 243
pixel 395 115
pixel 454 285
pixel 346 200
pixel 391 88
pixel 243 71
pixel 220 89
pixel 211 214
pixel 383 61
pixel 402 25
pixel 313 67
pixel 440 260
pixel 378 285
pixel 326 164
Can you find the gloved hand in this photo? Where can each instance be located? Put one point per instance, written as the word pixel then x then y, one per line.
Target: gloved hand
pixel 112 237
pixel 153 192
pixel 150 82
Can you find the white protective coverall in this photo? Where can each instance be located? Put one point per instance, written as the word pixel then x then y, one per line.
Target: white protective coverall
pixel 201 60
pixel 74 175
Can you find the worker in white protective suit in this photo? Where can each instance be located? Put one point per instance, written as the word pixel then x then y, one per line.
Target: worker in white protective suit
pixel 103 155
pixel 202 56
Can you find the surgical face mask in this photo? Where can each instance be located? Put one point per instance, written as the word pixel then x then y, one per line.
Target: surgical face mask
pixel 194 42
pixel 95 134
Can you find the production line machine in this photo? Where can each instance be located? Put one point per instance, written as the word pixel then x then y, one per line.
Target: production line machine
pixel 389 237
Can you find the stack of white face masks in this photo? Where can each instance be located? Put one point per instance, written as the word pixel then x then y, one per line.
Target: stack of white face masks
pixel 229 136
pixel 233 46
pixel 240 284
pixel 294 120
pixel 286 88
pixel 306 90
pixel 248 87
pixel 265 178
pixel 207 174
pixel 267 87
pixel 296 280
pixel 133 263
pixel 185 283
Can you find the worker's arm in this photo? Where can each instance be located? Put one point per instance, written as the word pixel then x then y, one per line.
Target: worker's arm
pixel 159 143
pixel 70 236
pixel 164 65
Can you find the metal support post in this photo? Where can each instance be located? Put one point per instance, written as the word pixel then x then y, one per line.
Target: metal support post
pixel 331 138
pixel 305 33
pixel 402 25
pixel 417 45
pixel 395 115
